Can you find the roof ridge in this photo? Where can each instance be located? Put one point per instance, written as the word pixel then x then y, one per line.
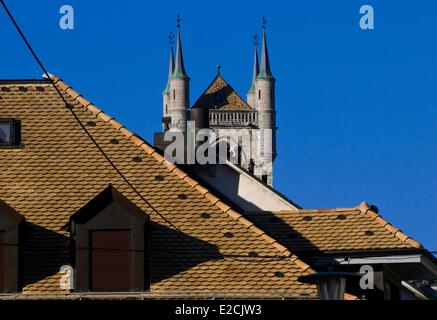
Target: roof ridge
pixel 366 210
pixel 181 174
pixel 322 210
pixel 24 81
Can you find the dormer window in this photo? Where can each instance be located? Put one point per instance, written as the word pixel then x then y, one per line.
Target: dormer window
pixel 109 237
pixel 10 226
pixel 10 132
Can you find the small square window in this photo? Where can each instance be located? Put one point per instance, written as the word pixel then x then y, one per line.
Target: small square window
pixel 10 132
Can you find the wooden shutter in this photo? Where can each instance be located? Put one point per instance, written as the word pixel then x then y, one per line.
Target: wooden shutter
pixel 2 261
pixel 110 261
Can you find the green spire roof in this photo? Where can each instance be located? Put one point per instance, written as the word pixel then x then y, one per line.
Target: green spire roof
pixel 179 69
pixel 170 70
pixel 265 71
pixel 255 70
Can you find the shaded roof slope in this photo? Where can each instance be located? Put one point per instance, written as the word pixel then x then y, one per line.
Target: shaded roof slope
pixel 220 95
pixel 333 230
pixel 59 170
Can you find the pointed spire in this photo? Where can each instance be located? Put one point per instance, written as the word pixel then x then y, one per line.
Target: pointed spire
pixel 255 64
pixel 171 62
pixel 179 69
pixel 265 71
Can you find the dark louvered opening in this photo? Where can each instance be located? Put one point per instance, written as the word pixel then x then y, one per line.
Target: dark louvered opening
pixel 91 124
pixel 279 274
pixel 114 141
pixel 110 261
pixel 159 178
pixel 369 233
pixel 341 217
pixel 307 218
pixel 2 261
pixel 229 235
pixel 137 159
pixel 205 215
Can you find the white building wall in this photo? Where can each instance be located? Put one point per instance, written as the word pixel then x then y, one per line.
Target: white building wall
pixel 244 190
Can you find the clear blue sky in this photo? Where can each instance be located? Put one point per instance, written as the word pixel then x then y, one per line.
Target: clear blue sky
pixel 357 110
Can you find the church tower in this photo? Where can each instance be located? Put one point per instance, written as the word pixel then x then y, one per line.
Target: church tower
pixel 265 105
pixel 245 129
pixel 179 90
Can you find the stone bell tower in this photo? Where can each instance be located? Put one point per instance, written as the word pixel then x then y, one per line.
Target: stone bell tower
pixel 221 109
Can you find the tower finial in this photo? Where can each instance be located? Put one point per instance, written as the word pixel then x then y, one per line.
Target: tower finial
pixel 264 23
pixel 171 37
pixel 179 19
pixel 219 69
pixel 255 40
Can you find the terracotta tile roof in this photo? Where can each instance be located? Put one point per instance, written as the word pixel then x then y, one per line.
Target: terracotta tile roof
pixel 220 95
pixel 59 170
pixel 332 230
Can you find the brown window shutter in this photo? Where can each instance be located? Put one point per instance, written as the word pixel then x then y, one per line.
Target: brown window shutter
pixel 110 261
pixel 2 261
